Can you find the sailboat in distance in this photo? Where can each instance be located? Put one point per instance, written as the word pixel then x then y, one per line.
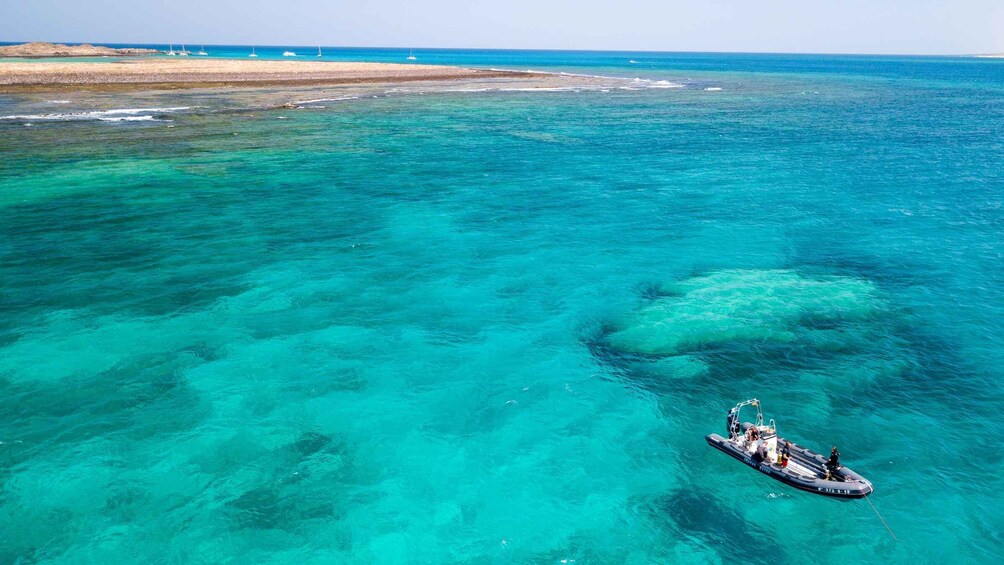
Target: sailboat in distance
pixel 319 51
pixel 171 51
pixel 253 54
pixel 411 55
pixel 184 52
pixel 203 51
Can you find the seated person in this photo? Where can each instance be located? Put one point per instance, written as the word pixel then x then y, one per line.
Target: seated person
pixel 785 454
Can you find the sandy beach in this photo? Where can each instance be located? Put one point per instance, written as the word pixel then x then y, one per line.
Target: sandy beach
pixel 150 73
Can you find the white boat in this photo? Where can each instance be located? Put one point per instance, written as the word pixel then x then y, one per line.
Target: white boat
pixel 288 54
pixel 253 54
pixel 184 52
pixel 411 55
pixel 203 51
pixel 171 52
pixel 318 50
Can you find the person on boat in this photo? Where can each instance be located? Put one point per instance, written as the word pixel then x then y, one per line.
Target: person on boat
pixel 785 454
pixel 761 452
pixel 834 462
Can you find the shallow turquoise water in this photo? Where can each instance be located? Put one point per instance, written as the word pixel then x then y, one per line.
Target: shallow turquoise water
pixel 495 326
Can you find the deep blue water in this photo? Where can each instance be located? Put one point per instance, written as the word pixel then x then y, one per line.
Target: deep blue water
pixel 429 325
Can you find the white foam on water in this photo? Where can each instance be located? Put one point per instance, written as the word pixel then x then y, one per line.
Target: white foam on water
pixel 592 76
pixel 133 111
pixel 665 84
pixel 58 101
pixel 131 119
pixel 713 89
pixel 120 114
pixel 316 100
pixel 540 89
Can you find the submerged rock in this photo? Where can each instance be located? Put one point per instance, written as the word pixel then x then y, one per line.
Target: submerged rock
pixel 310 443
pixel 772 306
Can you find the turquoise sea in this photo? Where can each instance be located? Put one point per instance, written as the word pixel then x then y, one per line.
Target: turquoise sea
pixel 452 325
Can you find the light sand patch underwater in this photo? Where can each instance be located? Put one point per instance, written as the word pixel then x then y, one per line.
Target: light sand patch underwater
pixel 775 306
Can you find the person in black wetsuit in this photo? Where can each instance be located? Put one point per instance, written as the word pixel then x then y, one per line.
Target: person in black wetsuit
pixel 833 463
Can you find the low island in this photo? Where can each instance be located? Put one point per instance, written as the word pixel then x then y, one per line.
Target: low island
pixel 41 50
pixel 152 72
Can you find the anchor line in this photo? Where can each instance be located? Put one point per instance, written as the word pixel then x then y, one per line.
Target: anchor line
pixel 881 518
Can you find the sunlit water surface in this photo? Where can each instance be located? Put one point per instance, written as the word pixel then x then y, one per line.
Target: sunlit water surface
pixel 429 325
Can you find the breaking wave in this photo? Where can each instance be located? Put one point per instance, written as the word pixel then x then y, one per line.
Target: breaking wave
pixel 116 115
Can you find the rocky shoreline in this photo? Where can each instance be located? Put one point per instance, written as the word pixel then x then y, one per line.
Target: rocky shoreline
pixel 41 50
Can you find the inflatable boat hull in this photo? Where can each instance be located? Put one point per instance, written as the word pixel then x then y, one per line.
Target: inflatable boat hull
pixel 805 470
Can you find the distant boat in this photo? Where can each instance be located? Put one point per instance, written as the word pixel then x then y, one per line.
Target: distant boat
pixel 632 61
pixel 411 55
pixel 171 51
pixel 318 50
pixel 253 54
pixel 183 52
pixel 288 54
pixel 203 51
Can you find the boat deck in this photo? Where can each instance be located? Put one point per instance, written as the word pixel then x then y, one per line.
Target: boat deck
pixel 800 469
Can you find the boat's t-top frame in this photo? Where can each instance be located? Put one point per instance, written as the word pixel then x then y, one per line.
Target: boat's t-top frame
pixel 754 403
pixel 759 441
pixel 771 426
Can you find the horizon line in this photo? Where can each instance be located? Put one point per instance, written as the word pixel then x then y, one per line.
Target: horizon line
pixel 525 49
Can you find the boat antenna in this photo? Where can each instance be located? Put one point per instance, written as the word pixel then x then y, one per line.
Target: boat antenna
pixel 881 518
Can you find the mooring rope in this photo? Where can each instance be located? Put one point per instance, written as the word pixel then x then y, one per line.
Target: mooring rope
pixel 881 518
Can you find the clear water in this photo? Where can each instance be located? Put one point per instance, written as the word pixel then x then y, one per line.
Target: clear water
pixel 496 326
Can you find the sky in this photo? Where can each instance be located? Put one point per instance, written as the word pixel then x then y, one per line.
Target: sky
pixel 782 26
